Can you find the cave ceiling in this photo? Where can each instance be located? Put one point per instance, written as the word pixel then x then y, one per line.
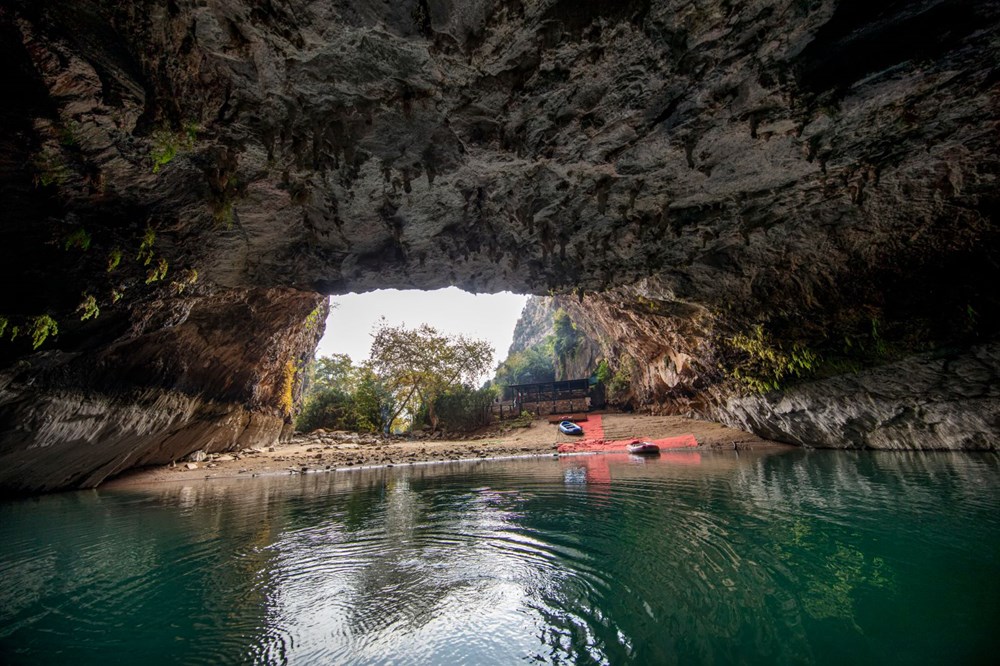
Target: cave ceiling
pixel 749 156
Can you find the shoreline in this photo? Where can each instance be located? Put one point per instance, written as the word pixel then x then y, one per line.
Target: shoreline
pixel 326 452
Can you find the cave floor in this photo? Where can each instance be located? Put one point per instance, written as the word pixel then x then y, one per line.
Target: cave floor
pixel 330 451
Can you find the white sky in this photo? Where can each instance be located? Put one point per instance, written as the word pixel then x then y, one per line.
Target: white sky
pixel 453 311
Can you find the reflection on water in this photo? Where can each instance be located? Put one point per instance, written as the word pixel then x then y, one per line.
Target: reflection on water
pixel 821 557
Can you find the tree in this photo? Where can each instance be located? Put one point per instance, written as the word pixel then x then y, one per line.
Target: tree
pixel 373 403
pixel 567 338
pixel 531 365
pixel 334 372
pixel 344 396
pixel 418 365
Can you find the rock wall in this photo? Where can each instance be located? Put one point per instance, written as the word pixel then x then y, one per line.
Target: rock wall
pixel 688 171
pixel 536 323
pixel 945 400
pixel 178 381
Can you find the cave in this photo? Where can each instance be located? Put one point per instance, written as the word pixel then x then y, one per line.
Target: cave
pixel 702 186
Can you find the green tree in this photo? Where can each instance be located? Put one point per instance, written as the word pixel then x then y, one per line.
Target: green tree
pixel 373 402
pixel 343 396
pixel 462 407
pixel 531 365
pixel 566 338
pixel 334 372
pixel 418 365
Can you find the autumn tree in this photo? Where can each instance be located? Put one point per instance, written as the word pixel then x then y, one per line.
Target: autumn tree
pixel 419 365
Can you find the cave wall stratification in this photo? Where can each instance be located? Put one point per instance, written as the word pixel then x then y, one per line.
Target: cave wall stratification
pixel 823 169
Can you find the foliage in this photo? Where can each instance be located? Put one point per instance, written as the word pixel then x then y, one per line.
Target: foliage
pixel 603 372
pixel 419 365
pixel 880 347
pixel 68 134
pixel 40 328
pixel 312 319
pixel 374 404
pixel 523 420
pixel 50 169
pixel 545 361
pixel 89 308
pixel 167 145
pixel 461 408
pixel 531 365
pixel 342 396
pixel 334 373
pixel 114 258
pixel 157 272
pixel 621 380
pixel 764 365
pixel 78 239
pixel 222 213
pixel 566 336
pixel 188 277
pixel 334 410
pixel 146 247
pixel 286 399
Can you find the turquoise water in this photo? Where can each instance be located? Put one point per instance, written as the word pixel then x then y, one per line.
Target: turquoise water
pixel 794 557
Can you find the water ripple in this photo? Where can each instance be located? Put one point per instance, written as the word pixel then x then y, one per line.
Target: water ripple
pixel 799 558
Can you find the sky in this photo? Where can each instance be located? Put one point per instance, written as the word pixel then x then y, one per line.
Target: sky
pixel 453 311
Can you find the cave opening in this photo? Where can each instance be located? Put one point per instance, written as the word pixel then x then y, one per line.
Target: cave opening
pixel 451 310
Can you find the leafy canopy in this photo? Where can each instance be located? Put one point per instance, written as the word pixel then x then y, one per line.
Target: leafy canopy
pixel 418 365
pixel 343 396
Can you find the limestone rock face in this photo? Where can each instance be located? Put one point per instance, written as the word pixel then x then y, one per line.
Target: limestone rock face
pixel 823 170
pixel 534 324
pixel 932 401
pixel 182 379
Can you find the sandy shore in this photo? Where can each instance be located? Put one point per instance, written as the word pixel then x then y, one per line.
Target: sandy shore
pixel 330 451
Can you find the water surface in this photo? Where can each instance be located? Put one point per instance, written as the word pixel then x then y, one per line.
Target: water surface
pixel 693 557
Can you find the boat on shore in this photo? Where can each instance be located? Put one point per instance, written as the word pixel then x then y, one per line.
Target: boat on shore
pixel 570 428
pixel 643 447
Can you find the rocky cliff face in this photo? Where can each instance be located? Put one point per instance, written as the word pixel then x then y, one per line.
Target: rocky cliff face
pixel 180 380
pixel 534 324
pixel 692 170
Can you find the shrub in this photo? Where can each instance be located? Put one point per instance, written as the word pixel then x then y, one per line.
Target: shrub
pixel 603 372
pixel 332 409
pixel 621 381
pixel 286 400
pixel 89 308
pixel 157 272
pixel 167 145
pixel 114 258
pixel 464 408
pixel 78 239
pixel 764 365
pixel 146 247
pixel 40 328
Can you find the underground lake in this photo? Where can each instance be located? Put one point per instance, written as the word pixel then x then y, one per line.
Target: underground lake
pixel 767 557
